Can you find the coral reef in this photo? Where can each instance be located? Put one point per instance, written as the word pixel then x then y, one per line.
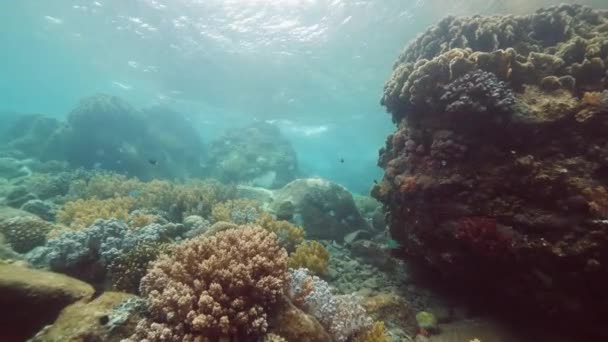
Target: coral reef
pixel 496 174
pixel 214 286
pixel 257 155
pixel 311 255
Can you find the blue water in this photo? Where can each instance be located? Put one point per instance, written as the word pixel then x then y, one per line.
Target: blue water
pixel 315 67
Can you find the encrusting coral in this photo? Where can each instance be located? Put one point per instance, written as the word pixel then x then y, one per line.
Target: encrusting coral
pixel 311 255
pixel 215 286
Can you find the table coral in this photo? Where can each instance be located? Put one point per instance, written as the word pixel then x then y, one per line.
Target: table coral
pixel 215 286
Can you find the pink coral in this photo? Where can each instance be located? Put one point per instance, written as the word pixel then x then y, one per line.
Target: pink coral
pixel 214 286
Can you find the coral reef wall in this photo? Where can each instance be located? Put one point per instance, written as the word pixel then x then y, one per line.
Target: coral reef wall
pixel 497 173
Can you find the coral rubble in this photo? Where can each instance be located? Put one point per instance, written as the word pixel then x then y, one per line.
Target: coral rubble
pixel 496 174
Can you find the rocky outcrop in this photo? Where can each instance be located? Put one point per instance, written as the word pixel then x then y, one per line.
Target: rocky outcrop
pixel 496 174
pixel 33 298
pixel 324 209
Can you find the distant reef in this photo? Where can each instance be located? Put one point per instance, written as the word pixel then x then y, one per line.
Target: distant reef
pixel 256 154
pixel 497 174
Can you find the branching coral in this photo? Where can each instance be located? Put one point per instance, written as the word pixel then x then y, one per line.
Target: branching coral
pixel 24 233
pixel 214 286
pixel 311 255
pixel 82 213
pixel 238 211
pixel 290 236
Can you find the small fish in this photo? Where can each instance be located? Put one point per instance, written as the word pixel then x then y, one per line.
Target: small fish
pixel 375 181
pixel 153 162
pixel 342 160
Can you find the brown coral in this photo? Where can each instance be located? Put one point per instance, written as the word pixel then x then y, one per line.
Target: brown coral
pixel 214 286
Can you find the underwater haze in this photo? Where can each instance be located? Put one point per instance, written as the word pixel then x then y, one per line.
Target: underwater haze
pixel 314 67
pixel 303 170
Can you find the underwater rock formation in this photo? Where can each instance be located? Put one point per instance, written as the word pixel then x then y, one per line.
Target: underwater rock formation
pixel 110 317
pixel 324 209
pixel 35 298
pixel 28 134
pixel 105 132
pixel 496 176
pixel 257 155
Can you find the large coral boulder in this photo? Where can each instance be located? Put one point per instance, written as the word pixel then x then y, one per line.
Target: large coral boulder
pixel 257 155
pixel 111 317
pixel 35 297
pixel 324 209
pixel 496 176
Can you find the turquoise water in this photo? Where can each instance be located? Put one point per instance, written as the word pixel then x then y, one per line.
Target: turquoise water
pixel 316 67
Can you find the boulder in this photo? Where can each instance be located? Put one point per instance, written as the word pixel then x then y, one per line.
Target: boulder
pixel 324 209
pixel 110 318
pixel 35 297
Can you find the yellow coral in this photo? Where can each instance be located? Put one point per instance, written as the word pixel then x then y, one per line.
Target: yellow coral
pixel 138 219
pixel 109 185
pixel 311 255
pixel 82 213
pixel 289 235
pixel 376 333
pixel 239 211
pixel 192 198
